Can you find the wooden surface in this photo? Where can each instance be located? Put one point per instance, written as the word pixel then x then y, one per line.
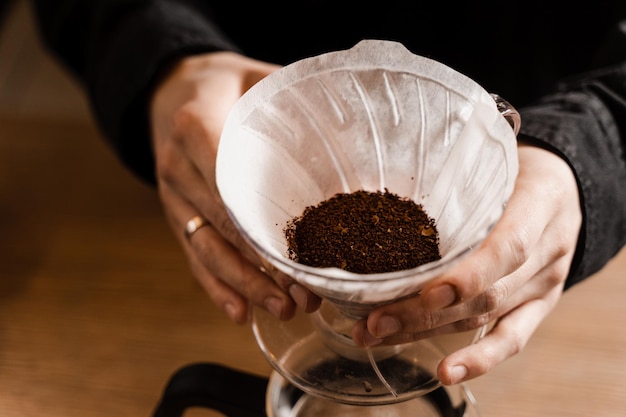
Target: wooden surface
pixel 98 308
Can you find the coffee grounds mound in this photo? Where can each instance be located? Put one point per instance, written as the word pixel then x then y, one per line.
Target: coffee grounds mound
pixel 365 233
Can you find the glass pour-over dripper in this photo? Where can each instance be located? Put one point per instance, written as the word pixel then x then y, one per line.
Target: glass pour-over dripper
pixel 374 117
pixel 316 354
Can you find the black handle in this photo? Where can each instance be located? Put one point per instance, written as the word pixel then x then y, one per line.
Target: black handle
pixel 231 392
pixel 440 399
pixel 238 394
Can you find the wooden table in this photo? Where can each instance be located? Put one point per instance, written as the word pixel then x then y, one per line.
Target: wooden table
pixel 98 308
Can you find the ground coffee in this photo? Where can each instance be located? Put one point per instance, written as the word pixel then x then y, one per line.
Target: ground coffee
pixel 364 232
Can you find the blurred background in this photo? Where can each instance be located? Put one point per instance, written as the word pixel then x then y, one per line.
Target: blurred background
pixel 31 85
pixel 98 308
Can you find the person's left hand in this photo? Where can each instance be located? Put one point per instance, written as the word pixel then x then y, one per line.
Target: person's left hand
pixel 188 111
pixel 515 277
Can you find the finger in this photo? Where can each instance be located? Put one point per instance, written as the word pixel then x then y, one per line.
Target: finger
pixel 508 337
pixel 221 260
pixel 506 248
pixel 183 177
pixel 545 192
pixel 227 299
pixel 411 316
pixel 545 281
pixel 178 172
pixel 303 297
pixel 216 260
pixel 202 190
pixel 223 296
pixel 547 267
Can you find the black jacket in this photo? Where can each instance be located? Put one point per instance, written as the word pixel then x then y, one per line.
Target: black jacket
pixel 563 66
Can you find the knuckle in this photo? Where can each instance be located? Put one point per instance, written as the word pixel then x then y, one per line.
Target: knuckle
pixel 183 119
pixel 427 320
pixel 203 249
pixel 516 342
pixel 561 245
pixel 555 276
pixel 473 323
pixel 517 248
pixel 493 298
pixel 166 164
pixel 513 253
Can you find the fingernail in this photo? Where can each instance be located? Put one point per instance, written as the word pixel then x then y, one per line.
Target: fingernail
pixel 299 295
pixel 440 297
pixel 274 305
pixel 369 340
pixel 457 374
pixel 387 325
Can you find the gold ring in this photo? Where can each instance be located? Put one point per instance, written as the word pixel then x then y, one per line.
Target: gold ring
pixel 192 226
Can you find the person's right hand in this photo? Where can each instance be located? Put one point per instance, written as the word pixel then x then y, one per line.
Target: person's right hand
pixel 513 279
pixel 188 111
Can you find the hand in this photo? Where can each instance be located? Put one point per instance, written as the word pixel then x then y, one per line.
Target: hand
pixel 515 277
pixel 188 111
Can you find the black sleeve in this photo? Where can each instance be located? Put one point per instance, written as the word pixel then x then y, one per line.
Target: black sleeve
pixel 584 121
pixel 116 49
